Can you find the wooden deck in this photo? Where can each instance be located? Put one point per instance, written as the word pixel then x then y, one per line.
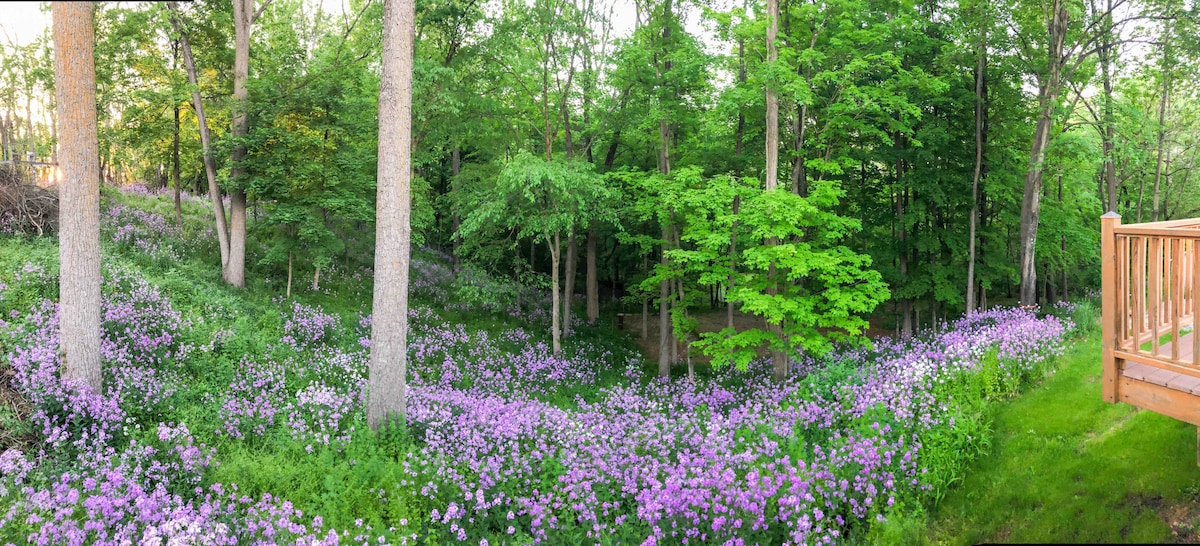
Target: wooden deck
pixel 1149 275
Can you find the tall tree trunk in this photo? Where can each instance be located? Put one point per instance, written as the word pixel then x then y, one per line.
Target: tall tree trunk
pixel 1031 204
pixel 31 153
pixel 569 280
pixel 665 335
pixel 771 174
pixel 175 168
pixel 455 168
pixel 1107 134
pixel 79 194
pixel 737 199
pixel 555 316
pixel 243 20
pixel 980 64
pixel 593 282
pixel 389 324
pixel 210 164
pixel 1162 126
pixel 779 358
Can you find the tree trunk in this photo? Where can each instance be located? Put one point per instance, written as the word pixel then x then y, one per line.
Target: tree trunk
pixel 316 284
pixel 389 323
pixel 593 281
pixel 243 19
pixel 569 281
pixel 980 64
pixel 555 317
pixel 288 294
pixel 455 169
pixel 79 194
pixel 1162 127
pixel 210 164
pixel 645 303
pixel 1107 134
pixel 772 168
pixel 175 169
pixel 1031 204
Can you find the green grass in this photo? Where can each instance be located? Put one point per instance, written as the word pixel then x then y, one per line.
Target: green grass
pixel 1067 467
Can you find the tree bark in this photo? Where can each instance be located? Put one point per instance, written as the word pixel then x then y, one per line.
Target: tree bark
pixel 1162 128
pixel 555 245
pixel 569 280
pixel 1031 204
pixel 210 164
pixel 79 194
pixel 389 324
pixel 1107 134
pixel 455 169
pixel 779 358
pixel 665 335
pixel 980 64
pixel 593 281
pixel 243 20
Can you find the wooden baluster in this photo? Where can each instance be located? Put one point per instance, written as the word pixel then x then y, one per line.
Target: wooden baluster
pixel 1176 294
pixel 1138 289
pixel 1123 313
pixel 1108 297
pixel 1156 287
pixel 1195 304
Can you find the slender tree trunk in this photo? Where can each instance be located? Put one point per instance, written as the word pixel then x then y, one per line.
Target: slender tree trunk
pixel 772 168
pixel 32 138
pixel 1162 128
pixel 5 147
pixel 389 324
pixel 737 200
pixel 1107 134
pixel 289 281
pixel 210 165
pixel 79 195
pixel 779 358
pixel 906 304
pixel 980 63
pixel 1031 204
pixel 645 301
pixel 664 166
pixel 593 282
pixel 455 169
pixel 569 281
pixel 175 169
pixel 555 317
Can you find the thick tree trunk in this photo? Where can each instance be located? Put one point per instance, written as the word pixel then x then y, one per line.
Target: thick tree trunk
pixel 771 174
pixel 593 281
pixel 243 19
pixel 79 195
pixel 1031 204
pixel 389 324
pixel 210 164
pixel 980 63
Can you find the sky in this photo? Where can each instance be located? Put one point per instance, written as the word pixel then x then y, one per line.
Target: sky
pixel 21 22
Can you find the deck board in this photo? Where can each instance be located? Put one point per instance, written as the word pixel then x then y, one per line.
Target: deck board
pixel 1166 378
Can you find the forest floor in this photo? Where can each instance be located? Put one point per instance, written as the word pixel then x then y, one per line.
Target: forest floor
pixel 1067 467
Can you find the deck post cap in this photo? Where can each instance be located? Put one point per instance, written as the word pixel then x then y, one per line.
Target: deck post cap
pixel 1111 214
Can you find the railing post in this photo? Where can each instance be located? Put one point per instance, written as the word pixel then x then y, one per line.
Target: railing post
pixel 1108 305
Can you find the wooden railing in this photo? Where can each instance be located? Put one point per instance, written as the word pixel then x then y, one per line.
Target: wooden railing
pixel 1149 277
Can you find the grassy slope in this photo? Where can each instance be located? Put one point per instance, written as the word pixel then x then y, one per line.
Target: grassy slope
pixel 1067 467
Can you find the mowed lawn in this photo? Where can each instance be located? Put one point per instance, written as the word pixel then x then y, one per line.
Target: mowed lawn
pixel 1067 467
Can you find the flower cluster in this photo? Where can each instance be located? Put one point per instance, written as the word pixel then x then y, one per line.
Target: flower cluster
pixel 143 230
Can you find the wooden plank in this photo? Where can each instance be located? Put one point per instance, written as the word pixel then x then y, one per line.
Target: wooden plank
pixel 1151 361
pixel 1185 383
pixel 1183 222
pixel 1108 296
pixel 1137 229
pixel 1179 405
